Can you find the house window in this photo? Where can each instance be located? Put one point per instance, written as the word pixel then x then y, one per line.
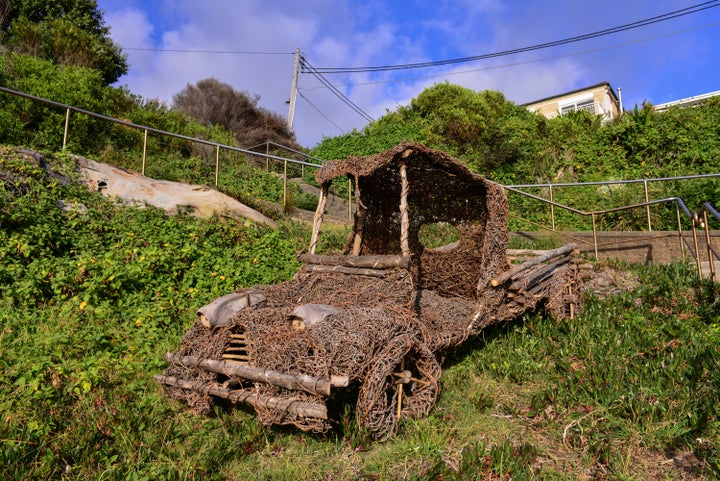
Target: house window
pixel 588 105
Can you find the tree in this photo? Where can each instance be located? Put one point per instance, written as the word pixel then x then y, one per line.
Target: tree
pixel 483 129
pixel 215 103
pixel 35 124
pixel 4 11
pixel 67 32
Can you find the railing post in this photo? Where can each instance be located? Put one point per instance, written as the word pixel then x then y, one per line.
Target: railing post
pixel 552 208
pixel 680 235
pixel 695 243
pixel 67 127
pixel 285 186
pixel 217 164
pixel 647 207
pixel 595 242
pixel 709 247
pixel 267 156
pixel 144 157
pixel 318 219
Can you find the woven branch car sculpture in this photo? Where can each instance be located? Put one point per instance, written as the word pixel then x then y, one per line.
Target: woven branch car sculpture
pixel 379 319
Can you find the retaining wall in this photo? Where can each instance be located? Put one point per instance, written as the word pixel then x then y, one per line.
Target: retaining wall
pixel 635 247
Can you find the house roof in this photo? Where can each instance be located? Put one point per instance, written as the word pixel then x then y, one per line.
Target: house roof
pixel 571 92
pixel 696 99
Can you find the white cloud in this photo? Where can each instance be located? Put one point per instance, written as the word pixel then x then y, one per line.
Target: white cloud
pixel 130 26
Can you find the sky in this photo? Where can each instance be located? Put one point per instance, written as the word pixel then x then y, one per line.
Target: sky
pixel 251 45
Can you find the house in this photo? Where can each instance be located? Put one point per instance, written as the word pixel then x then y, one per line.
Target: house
pixel 686 102
pixel 599 99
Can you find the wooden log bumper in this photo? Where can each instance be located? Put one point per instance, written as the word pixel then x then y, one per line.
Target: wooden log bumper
pixel 355 271
pixel 366 262
pixel 526 252
pixel 551 254
pixel 315 410
pixel 296 382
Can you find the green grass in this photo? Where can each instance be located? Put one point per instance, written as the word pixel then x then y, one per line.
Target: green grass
pixel 91 300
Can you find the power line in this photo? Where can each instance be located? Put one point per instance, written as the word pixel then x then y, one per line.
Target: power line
pixel 600 33
pixel 307 68
pixel 310 69
pixel 321 113
pixel 515 64
pixel 232 52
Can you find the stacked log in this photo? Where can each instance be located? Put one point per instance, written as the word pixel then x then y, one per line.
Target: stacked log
pixel 535 279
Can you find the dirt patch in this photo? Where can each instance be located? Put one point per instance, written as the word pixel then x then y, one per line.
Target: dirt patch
pixel 608 281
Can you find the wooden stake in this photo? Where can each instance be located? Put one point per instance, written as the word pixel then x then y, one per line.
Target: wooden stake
pixel 317 220
pixel 400 390
pixel 359 224
pixel 404 218
pixel 361 212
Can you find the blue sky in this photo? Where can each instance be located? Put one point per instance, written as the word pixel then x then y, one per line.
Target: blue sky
pixel 250 44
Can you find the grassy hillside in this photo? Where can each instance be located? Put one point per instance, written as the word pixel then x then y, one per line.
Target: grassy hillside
pixel 93 295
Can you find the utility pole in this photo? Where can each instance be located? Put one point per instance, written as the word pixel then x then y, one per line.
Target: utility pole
pixel 293 91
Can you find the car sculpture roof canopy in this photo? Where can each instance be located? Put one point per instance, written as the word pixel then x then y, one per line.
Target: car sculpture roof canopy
pixel 410 185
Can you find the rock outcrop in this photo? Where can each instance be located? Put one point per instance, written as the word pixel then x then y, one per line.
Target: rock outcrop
pixel 172 197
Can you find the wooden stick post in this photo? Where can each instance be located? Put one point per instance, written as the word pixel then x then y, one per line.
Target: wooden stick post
pixel 361 211
pixel 317 221
pixel 404 218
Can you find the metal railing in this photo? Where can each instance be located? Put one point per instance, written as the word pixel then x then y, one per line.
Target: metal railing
pixel 645 182
pixel 275 145
pixel 711 252
pixel 218 146
pixel 698 219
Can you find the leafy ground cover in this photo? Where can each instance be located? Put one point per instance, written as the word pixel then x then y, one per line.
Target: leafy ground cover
pixel 92 295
